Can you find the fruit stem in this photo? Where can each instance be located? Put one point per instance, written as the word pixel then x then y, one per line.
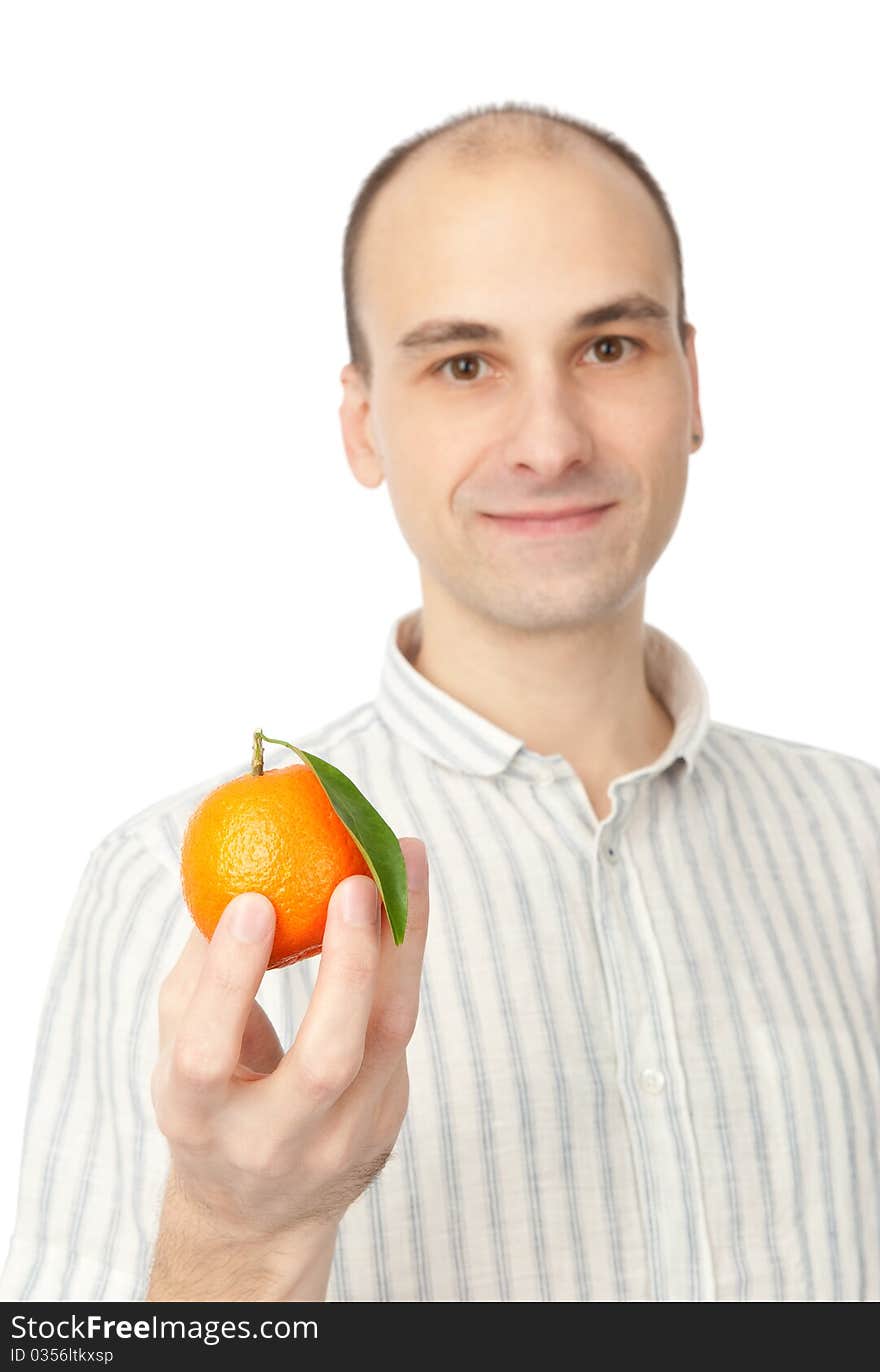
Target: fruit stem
pixel 259 739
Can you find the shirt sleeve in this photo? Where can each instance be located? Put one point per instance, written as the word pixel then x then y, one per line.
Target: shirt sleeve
pixel 94 1162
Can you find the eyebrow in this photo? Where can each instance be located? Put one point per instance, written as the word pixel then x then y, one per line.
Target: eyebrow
pixel 435 332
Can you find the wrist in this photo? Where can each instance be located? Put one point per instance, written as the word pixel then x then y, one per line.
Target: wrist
pixel 297 1264
pixel 198 1257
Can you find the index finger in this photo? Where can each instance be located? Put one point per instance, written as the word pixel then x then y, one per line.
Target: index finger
pixel 176 991
pixel 209 1035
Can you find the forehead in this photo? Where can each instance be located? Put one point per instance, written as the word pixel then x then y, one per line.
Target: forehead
pixel 519 235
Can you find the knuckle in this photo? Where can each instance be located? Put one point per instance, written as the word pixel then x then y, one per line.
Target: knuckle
pixel 196 1063
pixel 324 1076
pixel 394 1024
pixel 181 1133
pixel 167 1120
pixel 258 1154
pixel 168 1123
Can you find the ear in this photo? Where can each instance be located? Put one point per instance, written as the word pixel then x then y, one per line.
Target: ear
pixel 357 429
pixel 691 354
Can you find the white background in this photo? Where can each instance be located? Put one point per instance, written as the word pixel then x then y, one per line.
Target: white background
pixel 186 555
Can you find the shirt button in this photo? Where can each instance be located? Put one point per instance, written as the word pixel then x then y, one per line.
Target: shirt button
pixel 652 1080
pixel 611 853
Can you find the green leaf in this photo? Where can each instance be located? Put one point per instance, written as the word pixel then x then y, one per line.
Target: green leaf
pixel 376 840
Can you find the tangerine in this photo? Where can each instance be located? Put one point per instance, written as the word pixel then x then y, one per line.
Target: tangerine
pixel 276 833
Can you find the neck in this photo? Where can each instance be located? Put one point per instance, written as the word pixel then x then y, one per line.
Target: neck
pixel 580 691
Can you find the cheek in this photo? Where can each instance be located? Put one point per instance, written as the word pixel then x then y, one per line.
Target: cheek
pixel 419 499
pixel 423 473
pixel 667 495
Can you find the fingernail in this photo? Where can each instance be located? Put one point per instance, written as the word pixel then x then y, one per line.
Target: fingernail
pixel 358 905
pixel 252 918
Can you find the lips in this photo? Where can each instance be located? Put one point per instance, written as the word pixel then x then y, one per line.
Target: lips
pixel 550 528
pixel 547 514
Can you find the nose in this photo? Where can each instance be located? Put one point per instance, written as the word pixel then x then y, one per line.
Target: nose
pixel 546 430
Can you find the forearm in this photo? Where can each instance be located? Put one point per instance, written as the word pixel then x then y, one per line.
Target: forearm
pixel 192 1261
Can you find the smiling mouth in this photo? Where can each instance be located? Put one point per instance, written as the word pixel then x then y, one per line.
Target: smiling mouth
pixel 549 525
pixel 563 512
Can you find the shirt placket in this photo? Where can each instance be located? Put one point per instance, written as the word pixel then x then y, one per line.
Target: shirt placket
pixel 650 1074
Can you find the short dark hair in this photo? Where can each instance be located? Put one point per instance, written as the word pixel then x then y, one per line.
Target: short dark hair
pixel 508 125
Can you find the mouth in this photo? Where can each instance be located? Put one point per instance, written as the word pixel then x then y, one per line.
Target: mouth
pixel 534 525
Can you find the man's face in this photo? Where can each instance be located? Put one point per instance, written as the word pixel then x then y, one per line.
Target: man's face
pixel 543 417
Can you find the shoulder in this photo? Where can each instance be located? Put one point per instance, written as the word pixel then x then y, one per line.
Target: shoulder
pixel 160 826
pixel 827 777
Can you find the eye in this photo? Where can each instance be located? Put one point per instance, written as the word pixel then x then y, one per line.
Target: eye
pixel 461 357
pixel 614 338
pixel 458 377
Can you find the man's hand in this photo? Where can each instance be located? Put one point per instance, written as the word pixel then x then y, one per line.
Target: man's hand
pixel 270 1148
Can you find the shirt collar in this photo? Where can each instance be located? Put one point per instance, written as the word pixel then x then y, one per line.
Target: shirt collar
pixel 458 737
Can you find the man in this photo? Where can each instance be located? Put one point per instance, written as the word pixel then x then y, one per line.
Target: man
pixel 637 1057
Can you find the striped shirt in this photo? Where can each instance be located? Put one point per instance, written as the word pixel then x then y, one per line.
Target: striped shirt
pixel 647 1059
